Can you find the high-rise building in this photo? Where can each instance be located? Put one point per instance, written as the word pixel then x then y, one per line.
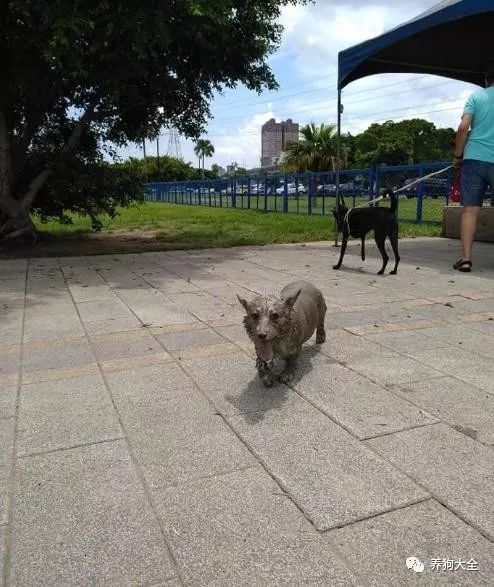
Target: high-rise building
pixel 275 137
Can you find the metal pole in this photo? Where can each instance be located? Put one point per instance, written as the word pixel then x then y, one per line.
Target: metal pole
pixel 144 147
pixel 158 156
pixel 338 150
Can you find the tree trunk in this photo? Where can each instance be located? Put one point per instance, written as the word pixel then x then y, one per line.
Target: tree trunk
pixel 15 218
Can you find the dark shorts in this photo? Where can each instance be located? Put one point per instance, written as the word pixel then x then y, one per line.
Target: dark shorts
pixel 476 176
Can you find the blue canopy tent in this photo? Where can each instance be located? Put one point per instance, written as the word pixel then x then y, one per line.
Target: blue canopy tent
pixel 452 39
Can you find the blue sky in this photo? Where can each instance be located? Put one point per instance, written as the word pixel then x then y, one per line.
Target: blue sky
pixel 305 66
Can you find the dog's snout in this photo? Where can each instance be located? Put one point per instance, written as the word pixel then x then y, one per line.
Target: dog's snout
pixel 262 335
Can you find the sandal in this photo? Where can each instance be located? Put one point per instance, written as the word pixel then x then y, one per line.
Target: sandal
pixel 463 266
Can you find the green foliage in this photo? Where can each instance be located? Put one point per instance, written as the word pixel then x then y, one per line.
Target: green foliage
pixel 399 143
pixel 316 150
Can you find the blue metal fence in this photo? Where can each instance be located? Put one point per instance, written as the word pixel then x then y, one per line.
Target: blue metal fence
pixel 315 193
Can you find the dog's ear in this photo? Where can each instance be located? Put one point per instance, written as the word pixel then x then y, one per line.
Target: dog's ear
pixel 290 302
pixel 244 303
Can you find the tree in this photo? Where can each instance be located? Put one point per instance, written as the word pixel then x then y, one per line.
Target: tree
pixel 77 76
pixel 202 149
pixel 316 150
pixel 400 143
pixel 216 170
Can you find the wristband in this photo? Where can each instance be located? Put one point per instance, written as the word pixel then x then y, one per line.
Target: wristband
pixel 458 156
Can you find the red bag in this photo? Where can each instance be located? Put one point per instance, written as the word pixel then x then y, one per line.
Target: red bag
pixel 454 192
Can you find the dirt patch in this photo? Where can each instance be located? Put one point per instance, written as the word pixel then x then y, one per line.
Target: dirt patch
pixel 100 243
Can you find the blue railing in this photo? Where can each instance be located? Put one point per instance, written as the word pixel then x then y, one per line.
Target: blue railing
pixel 315 193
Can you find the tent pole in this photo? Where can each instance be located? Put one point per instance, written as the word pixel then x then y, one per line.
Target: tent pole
pixel 338 151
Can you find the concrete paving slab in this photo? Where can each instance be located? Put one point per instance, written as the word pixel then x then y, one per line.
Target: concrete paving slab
pixel 61 414
pixel 134 344
pixel 7 402
pixel 3 546
pixel 456 469
pixel 376 549
pixel 9 360
pixel 240 529
pixel 175 341
pixel 355 403
pixel 346 347
pixel 112 325
pixel 4 494
pixel 103 310
pixel 468 410
pixel 396 369
pixel 408 340
pixel 329 474
pixel 172 428
pixel 6 450
pixel 71 354
pixel 453 360
pixel 102 531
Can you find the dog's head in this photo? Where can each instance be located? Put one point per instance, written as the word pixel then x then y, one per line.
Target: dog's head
pixel 339 214
pixel 267 317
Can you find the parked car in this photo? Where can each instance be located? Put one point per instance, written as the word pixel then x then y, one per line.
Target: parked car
pixel 291 189
pixel 329 189
pixel 432 187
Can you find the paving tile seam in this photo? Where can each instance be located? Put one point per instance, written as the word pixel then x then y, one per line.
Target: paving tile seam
pixel 137 467
pixel 12 477
pixel 443 375
pixel 66 448
pixel 417 405
pixel 193 481
pixel 431 492
pixel 377 514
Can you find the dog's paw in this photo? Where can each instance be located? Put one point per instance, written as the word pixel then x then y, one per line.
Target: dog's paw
pixel 394 272
pixel 381 272
pixel 286 377
pixel 336 267
pixel 268 380
pixel 321 338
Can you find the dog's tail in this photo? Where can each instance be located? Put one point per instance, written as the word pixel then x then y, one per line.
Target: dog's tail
pixel 394 200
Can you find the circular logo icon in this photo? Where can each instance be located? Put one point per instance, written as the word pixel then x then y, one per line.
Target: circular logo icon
pixel 414 564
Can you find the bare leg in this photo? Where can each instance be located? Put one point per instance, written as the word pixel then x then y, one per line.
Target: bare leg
pixel 469 215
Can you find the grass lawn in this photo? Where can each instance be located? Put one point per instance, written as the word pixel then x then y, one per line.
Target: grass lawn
pixel 185 227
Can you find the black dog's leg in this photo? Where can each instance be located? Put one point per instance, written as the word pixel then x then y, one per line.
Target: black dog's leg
pixel 362 251
pixel 343 249
pixel 394 244
pixel 380 239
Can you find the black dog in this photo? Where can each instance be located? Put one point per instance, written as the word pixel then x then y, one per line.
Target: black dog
pixel 359 221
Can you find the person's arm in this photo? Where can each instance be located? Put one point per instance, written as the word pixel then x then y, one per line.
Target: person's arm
pixel 462 134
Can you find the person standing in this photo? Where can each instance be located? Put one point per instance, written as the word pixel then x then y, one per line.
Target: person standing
pixel 474 153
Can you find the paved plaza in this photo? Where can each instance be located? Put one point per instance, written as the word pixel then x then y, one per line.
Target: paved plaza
pixel 138 447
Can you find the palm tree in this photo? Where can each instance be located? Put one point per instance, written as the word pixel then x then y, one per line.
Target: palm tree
pixel 203 149
pixel 316 150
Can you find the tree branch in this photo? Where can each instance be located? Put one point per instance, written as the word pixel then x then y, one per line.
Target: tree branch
pixel 38 182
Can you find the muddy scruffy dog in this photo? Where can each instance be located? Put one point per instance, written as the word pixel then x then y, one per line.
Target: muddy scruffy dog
pixel 279 326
